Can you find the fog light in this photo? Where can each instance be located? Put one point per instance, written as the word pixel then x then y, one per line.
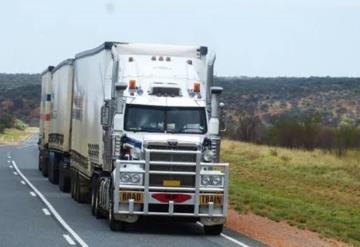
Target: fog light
pixel 135 178
pixel 131 178
pixel 212 180
pixel 205 180
pixel 124 178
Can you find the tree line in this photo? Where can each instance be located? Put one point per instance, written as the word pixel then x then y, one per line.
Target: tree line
pixel 301 130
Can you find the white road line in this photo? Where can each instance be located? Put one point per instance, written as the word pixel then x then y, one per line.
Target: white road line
pixel 69 239
pixel 51 209
pixel 234 240
pixel 229 238
pixel 46 211
pixel 10 166
pixel 9 161
pixel 32 194
pixel 15 173
pixel 22 181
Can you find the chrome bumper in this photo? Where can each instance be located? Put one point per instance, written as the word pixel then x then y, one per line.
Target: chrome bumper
pixel 199 210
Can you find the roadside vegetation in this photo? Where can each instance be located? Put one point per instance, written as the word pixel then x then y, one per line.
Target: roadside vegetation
pixel 315 190
pixel 13 130
pixel 14 136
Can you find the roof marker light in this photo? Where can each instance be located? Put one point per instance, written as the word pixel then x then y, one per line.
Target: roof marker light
pixel 161 59
pixel 189 62
pixel 131 59
pixel 153 58
pixel 196 87
pixel 168 59
pixel 132 84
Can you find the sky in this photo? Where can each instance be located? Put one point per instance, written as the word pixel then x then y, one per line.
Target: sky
pixel 250 37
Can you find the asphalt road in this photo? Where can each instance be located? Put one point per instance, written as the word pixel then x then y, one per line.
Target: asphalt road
pixel 25 220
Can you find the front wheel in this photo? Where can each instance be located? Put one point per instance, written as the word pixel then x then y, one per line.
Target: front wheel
pixel 213 230
pixel 113 224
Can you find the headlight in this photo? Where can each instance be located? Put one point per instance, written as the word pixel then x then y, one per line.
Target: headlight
pixel 208 155
pixel 136 178
pixel 124 178
pixel 212 180
pixel 131 179
pixel 205 180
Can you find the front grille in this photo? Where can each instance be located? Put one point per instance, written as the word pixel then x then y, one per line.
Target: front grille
pixel 167 147
pixel 173 168
pixel 173 157
pixel 185 180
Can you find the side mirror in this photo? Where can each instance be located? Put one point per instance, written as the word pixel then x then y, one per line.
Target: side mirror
pixel 105 115
pixel 222 118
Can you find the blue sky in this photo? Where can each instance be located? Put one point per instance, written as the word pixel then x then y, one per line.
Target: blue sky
pixel 250 37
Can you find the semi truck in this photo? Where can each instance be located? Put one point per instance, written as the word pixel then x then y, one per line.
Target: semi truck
pixel 143 138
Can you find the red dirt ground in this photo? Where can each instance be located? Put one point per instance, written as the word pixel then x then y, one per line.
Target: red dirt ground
pixel 277 234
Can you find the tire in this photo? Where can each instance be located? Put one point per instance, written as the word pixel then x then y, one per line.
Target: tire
pixel 76 187
pixel 53 170
pixel 213 230
pixel 114 225
pixel 73 183
pixel 44 164
pixel 93 195
pixel 95 207
pixel 80 190
pixel 64 178
pixel 39 161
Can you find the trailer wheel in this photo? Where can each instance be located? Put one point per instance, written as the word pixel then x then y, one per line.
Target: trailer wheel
pixel 39 161
pixel 44 164
pixel 213 230
pixel 53 171
pixel 64 178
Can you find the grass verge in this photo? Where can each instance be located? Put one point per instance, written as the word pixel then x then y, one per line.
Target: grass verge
pixel 311 190
pixel 14 136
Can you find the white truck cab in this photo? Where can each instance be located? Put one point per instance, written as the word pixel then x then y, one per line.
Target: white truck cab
pixel 145 134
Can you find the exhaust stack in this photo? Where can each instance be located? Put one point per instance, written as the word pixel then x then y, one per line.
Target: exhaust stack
pixel 210 77
pixel 214 118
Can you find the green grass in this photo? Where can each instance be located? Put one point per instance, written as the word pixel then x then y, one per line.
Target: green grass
pixel 311 190
pixel 13 136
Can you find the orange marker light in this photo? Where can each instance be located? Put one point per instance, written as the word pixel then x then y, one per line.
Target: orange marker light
pixel 196 87
pixel 132 84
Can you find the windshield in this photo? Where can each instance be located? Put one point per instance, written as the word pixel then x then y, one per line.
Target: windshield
pixel 165 119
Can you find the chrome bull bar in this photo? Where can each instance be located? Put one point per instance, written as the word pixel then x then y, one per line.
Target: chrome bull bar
pixel 195 191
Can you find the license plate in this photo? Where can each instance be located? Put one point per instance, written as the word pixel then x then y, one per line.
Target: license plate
pixel 171 183
pixel 216 199
pixel 125 196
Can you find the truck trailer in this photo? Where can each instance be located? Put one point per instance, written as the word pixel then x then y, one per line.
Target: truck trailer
pixel 45 117
pixel 144 135
pixel 60 124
